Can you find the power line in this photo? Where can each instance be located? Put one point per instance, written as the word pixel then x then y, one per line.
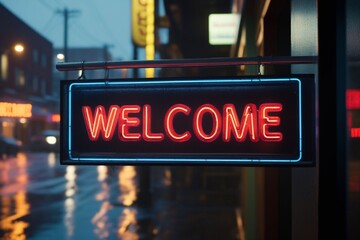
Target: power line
pixel 102 19
pixel 48 24
pixel 105 24
pixel 89 34
pixel 59 3
pixel 45 4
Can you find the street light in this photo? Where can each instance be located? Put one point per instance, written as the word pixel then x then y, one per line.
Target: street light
pixel 60 57
pixel 19 48
pixel 16 49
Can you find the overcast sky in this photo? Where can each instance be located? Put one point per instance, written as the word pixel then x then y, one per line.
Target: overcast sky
pixel 92 23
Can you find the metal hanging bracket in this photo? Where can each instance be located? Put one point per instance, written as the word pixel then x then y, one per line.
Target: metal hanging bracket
pixel 82 76
pixel 196 62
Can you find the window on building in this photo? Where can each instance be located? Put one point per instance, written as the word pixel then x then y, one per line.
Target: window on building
pixel 35 54
pixel 19 77
pixel 35 84
pixel 44 60
pixel 43 87
pixel 4 67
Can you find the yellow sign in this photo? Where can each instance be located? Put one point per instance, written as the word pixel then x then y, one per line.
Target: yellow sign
pixel 139 20
pixel 8 109
pixel 150 37
pixel 143 29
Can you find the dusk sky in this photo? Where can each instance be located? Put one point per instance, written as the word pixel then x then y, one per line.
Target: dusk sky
pixel 92 23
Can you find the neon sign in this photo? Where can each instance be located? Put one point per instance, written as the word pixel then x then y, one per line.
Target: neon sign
pixel 230 121
pixel 101 122
pixel 16 110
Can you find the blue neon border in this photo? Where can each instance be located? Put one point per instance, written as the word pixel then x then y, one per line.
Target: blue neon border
pixel 183 160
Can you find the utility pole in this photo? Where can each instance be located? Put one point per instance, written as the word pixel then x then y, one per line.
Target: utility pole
pixel 66 14
pixel 106 56
pixel 135 57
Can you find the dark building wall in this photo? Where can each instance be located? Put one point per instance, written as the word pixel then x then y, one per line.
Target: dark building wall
pixel 277 34
pixel 189 35
pixel 36 61
pixel 189 26
pixel 35 66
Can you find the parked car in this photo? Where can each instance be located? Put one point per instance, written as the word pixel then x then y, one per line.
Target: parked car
pixel 46 141
pixel 9 146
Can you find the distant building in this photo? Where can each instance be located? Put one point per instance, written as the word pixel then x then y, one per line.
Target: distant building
pixel 26 101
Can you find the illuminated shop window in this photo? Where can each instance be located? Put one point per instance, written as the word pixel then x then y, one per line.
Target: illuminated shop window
pixel 7 128
pixel 15 110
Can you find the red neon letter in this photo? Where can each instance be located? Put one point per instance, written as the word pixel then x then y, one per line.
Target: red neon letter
pixel 147 134
pixel 125 122
pixel 169 123
pixel 100 122
pixel 248 123
pixel 266 121
pixel 197 123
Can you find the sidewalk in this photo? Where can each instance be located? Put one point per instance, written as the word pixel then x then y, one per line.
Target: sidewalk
pixel 182 209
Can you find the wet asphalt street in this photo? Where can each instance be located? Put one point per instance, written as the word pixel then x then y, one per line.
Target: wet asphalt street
pixel 41 200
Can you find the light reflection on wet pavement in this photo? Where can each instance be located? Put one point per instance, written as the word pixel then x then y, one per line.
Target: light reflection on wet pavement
pixel 41 199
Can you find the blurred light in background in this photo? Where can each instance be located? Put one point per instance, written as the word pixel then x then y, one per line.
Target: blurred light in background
pixel 19 48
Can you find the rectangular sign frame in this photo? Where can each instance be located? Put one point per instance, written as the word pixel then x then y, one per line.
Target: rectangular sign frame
pixel 295 92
